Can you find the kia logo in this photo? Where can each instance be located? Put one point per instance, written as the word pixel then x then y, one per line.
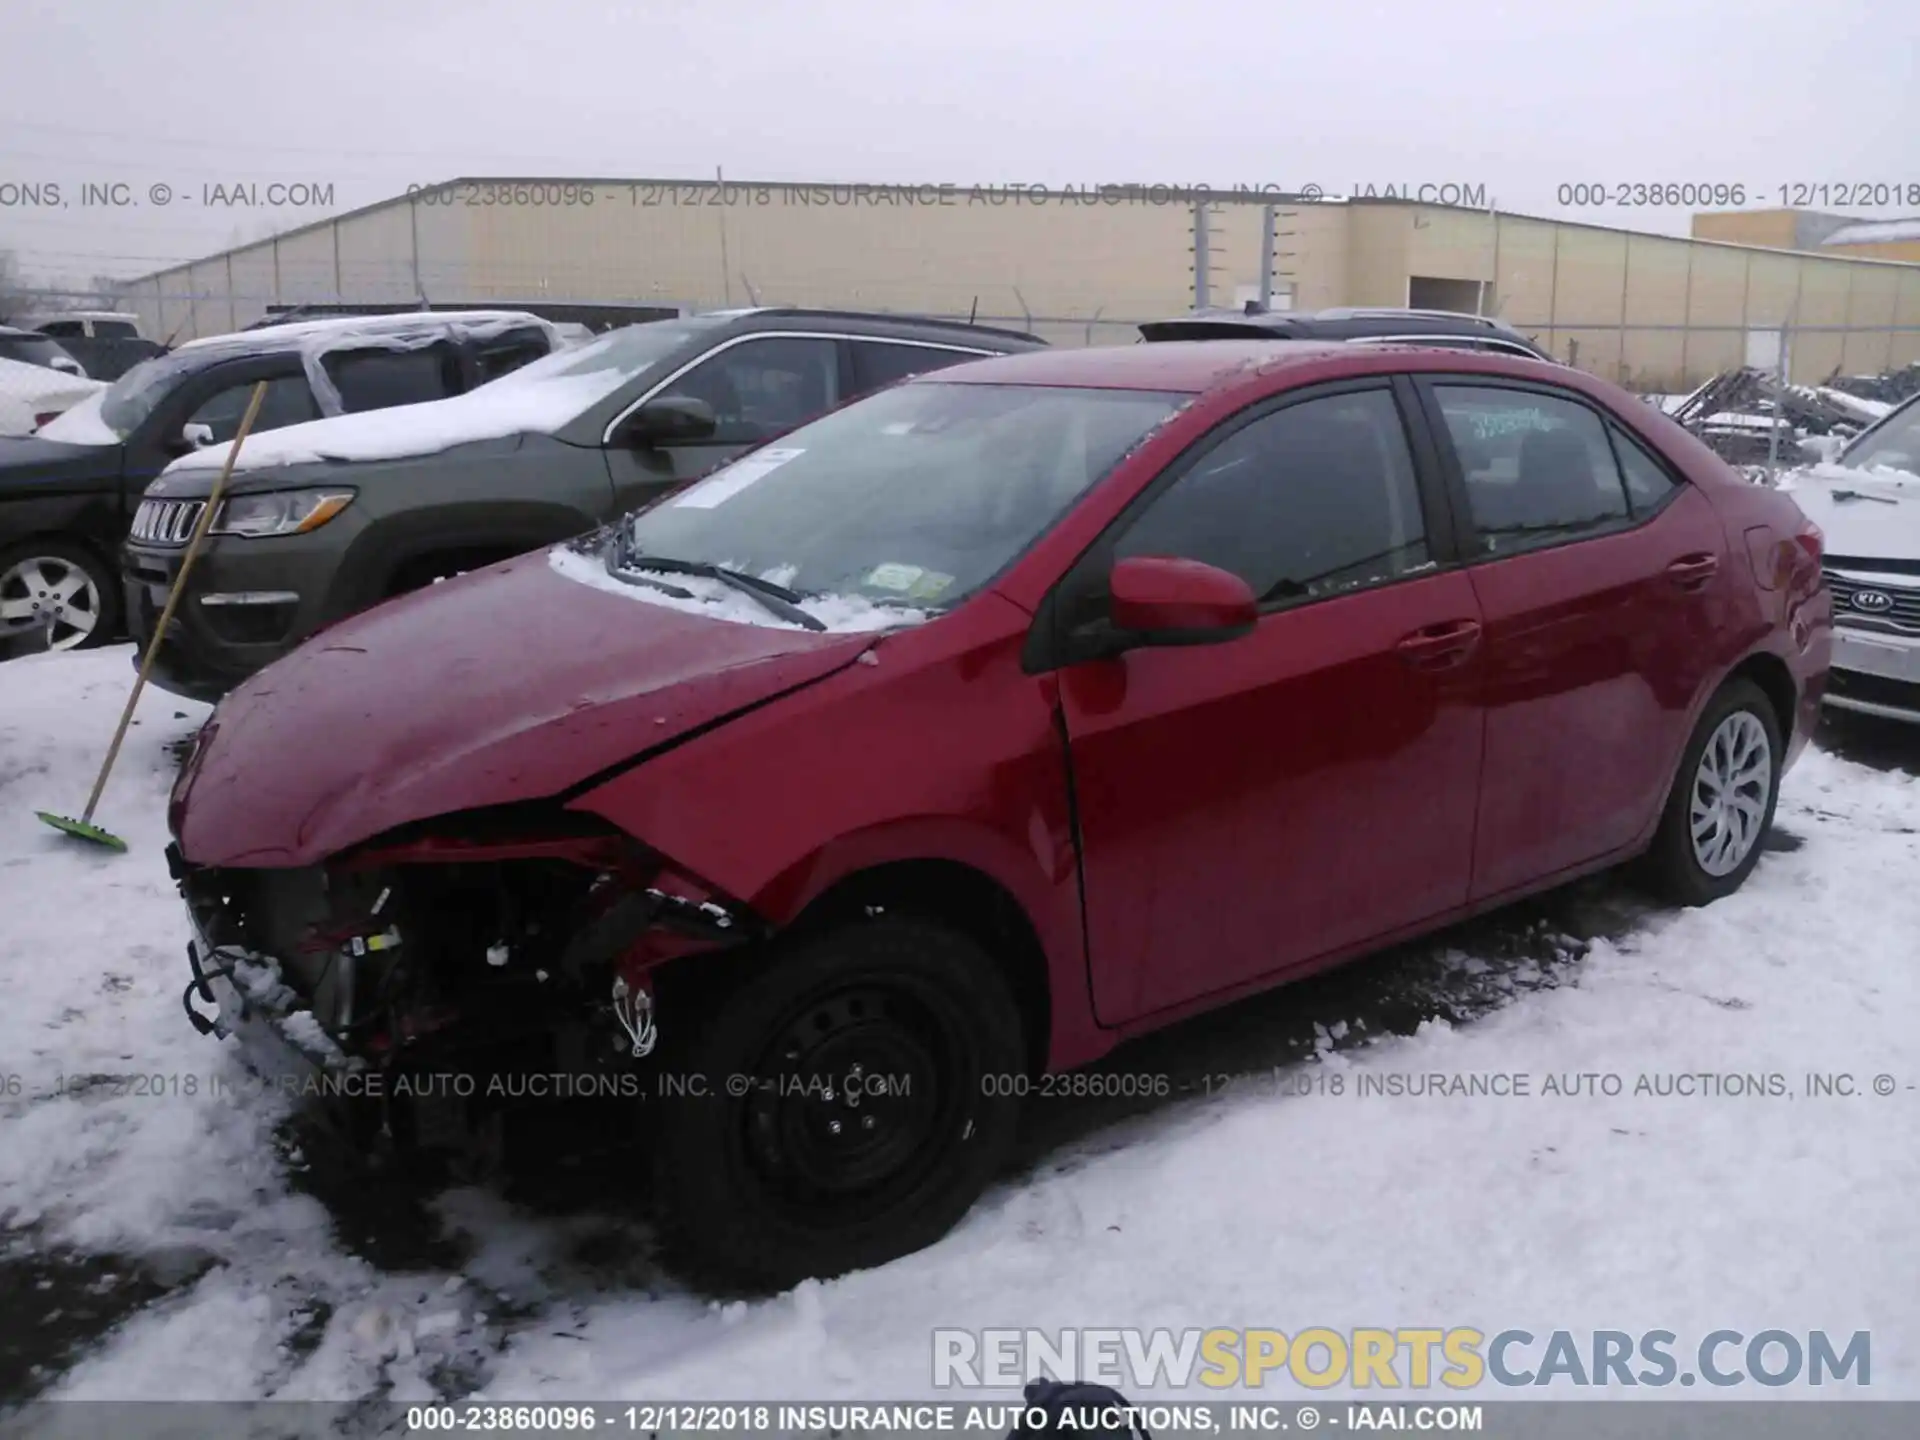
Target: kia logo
pixel 1874 602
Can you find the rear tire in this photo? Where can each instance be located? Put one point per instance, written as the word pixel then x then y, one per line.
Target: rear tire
pixel 782 1170
pixel 64 580
pixel 1722 802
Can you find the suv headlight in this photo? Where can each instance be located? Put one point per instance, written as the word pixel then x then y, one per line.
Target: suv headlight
pixel 279 512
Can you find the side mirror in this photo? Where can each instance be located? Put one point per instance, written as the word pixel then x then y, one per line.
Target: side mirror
pixel 195 436
pixel 669 420
pixel 1163 600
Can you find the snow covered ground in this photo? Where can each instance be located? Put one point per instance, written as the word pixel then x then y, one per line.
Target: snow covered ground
pixel 167 1244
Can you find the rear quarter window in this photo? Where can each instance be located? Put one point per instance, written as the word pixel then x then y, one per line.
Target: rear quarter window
pixel 381 379
pixel 506 353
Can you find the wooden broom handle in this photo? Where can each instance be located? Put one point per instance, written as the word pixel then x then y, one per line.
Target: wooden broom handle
pixel 173 595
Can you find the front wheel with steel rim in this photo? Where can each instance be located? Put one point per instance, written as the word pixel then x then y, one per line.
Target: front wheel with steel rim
pixel 1723 798
pixel 52 582
pixel 843 1104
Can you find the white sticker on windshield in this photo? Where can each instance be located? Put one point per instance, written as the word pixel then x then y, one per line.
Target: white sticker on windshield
pixel 894 576
pixel 725 484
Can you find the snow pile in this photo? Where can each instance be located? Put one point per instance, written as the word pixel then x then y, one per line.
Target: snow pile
pixel 491 412
pixel 82 424
pixel 841 614
pixel 1262 1207
pixel 29 391
pixel 1858 406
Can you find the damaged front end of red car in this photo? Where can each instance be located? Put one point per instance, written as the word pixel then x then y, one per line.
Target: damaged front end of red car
pixel 424 987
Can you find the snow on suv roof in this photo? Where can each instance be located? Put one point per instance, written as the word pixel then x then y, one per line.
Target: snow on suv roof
pixel 298 334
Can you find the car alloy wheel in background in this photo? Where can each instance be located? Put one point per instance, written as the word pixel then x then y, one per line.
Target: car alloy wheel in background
pixel 36 587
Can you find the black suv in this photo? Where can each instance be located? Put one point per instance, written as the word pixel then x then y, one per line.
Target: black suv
pixel 327 519
pixel 1432 329
pixel 67 493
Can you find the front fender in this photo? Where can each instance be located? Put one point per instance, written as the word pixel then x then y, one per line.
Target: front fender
pixel 939 749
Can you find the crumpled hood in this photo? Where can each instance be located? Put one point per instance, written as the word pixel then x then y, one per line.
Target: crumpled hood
pixel 1869 514
pixel 506 684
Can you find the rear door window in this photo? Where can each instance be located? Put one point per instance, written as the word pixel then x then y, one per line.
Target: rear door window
pixel 381 379
pixel 63 329
pixel 116 330
pixel 1539 470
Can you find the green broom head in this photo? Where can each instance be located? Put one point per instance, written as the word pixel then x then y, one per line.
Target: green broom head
pixel 82 830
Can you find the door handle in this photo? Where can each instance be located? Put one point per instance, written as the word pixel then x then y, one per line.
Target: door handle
pixel 1690 572
pixel 1439 647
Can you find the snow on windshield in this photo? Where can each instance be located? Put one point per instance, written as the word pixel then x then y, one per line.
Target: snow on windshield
pixel 841 614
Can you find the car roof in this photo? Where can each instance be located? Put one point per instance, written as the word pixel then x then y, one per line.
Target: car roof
pixel 338 328
pixel 1189 368
pixel 878 323
pixel 1199 366
pixel 1338 324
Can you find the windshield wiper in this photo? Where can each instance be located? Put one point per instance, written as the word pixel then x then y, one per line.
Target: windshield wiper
pixel 777 599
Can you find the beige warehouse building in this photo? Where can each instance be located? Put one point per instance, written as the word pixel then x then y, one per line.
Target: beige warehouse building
pixel 1078 266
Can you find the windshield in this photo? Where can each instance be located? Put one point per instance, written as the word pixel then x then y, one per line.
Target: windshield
pixel 1894 443
pixel 603 365
pixel 912 498
pixel 132 397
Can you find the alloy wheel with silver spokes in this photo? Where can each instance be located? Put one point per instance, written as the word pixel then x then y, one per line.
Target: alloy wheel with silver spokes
pixel 42 589
pixel 1732 787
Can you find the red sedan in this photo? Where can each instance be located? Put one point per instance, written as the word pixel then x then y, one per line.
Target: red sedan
pixel 972 728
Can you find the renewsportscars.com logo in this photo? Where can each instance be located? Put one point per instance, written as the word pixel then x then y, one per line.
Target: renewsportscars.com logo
pixel 1414 1358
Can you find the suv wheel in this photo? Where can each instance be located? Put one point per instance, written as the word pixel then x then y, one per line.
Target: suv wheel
pixel 850 1111
pixel 1722 801
pixel 53 580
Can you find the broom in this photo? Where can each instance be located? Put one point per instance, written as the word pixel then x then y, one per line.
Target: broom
pixel 84 828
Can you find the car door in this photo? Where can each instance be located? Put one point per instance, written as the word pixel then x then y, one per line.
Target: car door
pixel 216 398
pixel 1599 573
pixel 1246 807
pixel 758 386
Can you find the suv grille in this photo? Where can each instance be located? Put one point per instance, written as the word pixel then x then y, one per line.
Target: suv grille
pixel 1900 610
pixel 167 522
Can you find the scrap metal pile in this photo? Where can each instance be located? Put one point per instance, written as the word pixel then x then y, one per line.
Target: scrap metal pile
pixel 1738 411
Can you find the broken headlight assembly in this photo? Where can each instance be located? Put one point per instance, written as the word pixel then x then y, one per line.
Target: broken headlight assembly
pixel 279 512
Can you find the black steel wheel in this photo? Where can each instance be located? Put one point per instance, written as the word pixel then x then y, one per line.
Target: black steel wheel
pixel 844 1104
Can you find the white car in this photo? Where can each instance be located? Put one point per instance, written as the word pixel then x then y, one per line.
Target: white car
pixel 31 395
pixel 30 347
pixel 1868 503
pixel 86 324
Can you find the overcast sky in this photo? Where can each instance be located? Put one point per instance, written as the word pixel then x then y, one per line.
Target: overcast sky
pixel 367 96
